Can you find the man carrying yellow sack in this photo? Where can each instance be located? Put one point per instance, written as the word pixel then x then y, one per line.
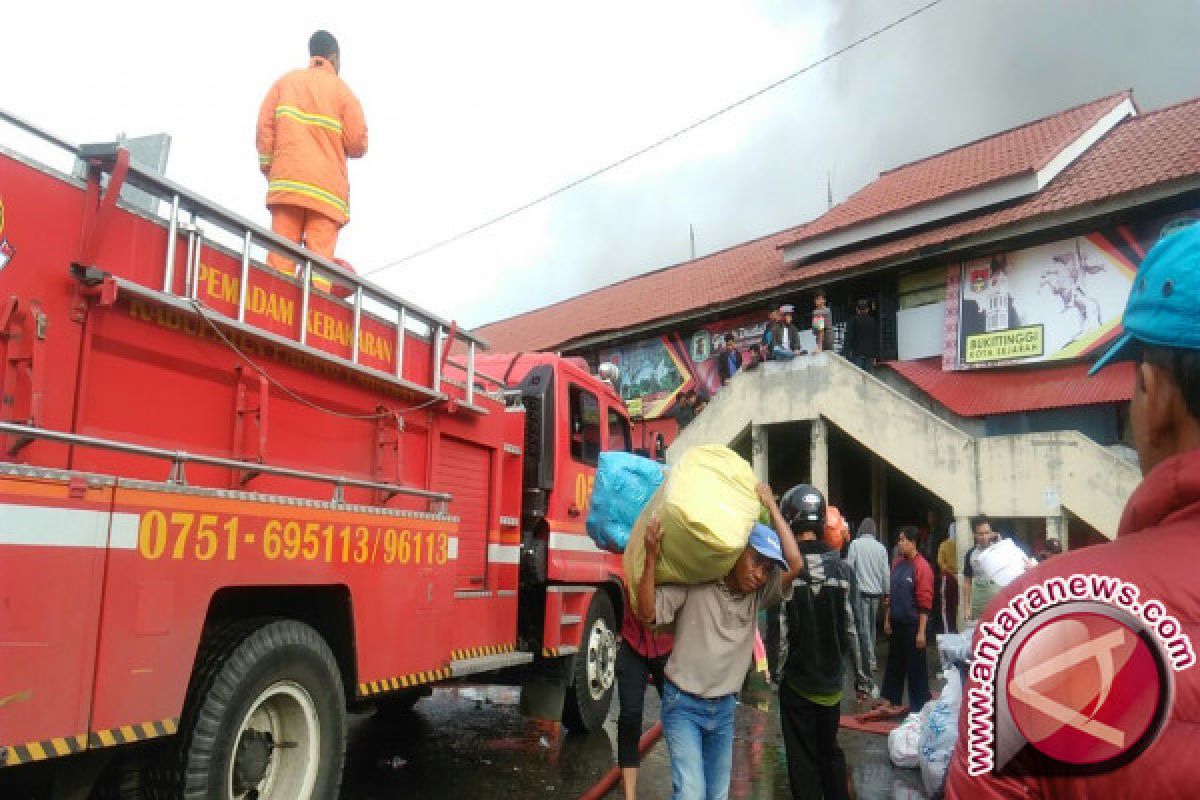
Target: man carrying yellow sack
pixel 715 623
pixel 309 123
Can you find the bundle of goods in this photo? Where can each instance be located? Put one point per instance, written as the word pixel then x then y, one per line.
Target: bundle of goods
pixel 1003 562
pixel 939 733
pixel 624 485
pixel 904 743
pixel 706 507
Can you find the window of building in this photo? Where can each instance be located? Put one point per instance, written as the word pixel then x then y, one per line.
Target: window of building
pixel 618 432
pixel 585 426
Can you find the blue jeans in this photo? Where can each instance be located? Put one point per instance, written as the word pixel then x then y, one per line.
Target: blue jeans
pixel 699 733
pixel 780 353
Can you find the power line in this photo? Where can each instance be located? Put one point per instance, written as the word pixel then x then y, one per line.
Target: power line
pixel 654 145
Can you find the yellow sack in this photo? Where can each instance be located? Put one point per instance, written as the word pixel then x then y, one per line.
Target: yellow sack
pixel 707 506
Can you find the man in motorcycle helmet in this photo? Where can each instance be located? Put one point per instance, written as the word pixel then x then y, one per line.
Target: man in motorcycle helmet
pixel 821 633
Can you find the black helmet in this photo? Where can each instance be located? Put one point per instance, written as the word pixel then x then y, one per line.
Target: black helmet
pixel 803 508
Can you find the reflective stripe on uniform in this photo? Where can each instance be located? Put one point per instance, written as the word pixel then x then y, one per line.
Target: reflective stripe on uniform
pixel 303 117
pixel 308 190
pixel 264 158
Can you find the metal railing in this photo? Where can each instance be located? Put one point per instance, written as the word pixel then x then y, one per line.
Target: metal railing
pixel 200 211
pixel 180 458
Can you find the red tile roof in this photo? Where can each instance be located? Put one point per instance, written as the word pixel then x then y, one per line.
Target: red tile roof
pixel 1139 153
pixel 1024 149
pixel 1005 391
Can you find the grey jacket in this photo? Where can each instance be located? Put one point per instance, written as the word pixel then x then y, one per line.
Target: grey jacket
pixel 869 560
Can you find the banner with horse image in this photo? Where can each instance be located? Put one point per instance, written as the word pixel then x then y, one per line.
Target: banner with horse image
pixel 1051 302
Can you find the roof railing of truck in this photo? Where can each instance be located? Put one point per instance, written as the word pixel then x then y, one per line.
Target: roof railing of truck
pixel 112 158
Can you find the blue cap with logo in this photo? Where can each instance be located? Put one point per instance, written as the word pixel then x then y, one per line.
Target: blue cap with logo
pixel 766 542
pixel 1164 302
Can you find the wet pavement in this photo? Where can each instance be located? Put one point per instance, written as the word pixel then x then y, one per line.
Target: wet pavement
pixel 472 743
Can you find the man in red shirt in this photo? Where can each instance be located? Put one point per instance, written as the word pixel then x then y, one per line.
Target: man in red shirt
pixel 906 615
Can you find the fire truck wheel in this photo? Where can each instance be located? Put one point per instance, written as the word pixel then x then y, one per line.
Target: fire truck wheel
pixel 267 719
pixel 594 671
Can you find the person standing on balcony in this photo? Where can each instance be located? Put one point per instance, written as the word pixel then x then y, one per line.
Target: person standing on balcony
pixel 308 125
pixel 822 322
pixel 784 337
pixel 729 360
pixel 862 337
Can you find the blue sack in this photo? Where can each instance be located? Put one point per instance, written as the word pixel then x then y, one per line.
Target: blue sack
pixel 624 484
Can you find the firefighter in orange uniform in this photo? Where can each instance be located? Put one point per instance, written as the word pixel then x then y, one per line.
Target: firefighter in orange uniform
pixel 309 123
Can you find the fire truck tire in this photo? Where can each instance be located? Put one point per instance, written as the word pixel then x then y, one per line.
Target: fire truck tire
pixel 256 686
pixel 590 692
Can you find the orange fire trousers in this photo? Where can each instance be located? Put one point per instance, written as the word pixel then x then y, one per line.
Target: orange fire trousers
pixel 315 231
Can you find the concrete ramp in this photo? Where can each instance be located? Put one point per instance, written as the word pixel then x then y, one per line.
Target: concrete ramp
pixel 1025 475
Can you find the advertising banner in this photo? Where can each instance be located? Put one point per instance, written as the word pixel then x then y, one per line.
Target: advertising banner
pixel 655 372
pixel 1051 302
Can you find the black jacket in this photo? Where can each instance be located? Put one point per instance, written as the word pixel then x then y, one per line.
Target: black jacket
pixel 773 337
pixel 821 631
pixel 862 337
pixel 723 364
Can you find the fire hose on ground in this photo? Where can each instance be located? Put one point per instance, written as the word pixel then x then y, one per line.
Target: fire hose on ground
pixel 606 783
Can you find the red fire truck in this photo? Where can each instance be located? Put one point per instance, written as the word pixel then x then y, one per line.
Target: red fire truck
pixel 236 503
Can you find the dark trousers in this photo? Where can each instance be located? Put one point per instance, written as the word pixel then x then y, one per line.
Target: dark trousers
pixel 947 596
pixel 773 641
pixel 905 660
pixel 816 764
pixel 634 671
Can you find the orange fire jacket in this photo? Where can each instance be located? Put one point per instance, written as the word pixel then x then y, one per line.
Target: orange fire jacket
pixel 309 123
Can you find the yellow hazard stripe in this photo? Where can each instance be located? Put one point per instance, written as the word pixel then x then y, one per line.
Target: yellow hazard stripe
pixel 403 681
pixel 480 652
pixel 305 118
pixel 27 752
pixel 308 190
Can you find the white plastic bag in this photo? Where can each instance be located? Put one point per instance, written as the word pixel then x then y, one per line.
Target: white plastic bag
pixel 940 732
pixel 1003 562
pixel 904 742
pixel 952 647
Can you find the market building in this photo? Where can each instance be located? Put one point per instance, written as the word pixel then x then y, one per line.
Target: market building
pixel 996 271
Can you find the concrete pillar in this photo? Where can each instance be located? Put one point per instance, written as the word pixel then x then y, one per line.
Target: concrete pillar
pixel 879 511
pixel 758 453
pixel 964 540
pixel 1056 528
pixel 819 456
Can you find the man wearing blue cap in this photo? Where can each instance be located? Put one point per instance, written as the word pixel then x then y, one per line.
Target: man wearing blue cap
pixel 1157 544
pixel 714 641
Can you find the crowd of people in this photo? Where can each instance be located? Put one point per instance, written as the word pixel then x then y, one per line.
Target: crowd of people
pixel 782 340
pixel 835 603
pixel 833 598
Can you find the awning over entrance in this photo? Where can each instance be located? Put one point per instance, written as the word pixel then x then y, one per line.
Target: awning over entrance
pixel 981 393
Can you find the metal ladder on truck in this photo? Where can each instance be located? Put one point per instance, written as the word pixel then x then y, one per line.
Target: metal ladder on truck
pixel 188 217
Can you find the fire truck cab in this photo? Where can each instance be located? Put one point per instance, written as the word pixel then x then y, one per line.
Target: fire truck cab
pixel 238 502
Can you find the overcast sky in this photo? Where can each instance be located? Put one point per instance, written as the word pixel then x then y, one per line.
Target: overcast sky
pixel 475 107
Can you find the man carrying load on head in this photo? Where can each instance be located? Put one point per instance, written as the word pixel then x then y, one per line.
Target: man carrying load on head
pixel 714 638
pixel 308 125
